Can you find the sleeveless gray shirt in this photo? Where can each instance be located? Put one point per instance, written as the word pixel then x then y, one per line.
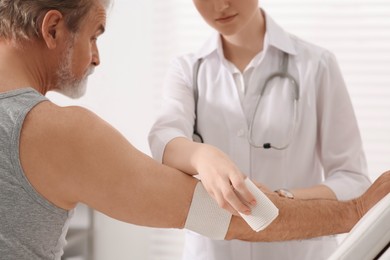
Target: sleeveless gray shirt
pixel 30 226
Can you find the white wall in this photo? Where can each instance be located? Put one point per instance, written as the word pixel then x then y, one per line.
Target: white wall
pixel 142 37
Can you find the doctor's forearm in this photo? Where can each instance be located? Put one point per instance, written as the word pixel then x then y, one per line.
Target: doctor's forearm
pixel 179 153
pixel 315 192
pixel 300 219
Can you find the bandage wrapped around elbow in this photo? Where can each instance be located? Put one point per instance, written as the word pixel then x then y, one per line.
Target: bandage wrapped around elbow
pixel 205 217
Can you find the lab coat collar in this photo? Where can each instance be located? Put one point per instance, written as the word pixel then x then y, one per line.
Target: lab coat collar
pixel 276 36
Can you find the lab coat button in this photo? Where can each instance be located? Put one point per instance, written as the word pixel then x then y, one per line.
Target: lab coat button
pixel 240 132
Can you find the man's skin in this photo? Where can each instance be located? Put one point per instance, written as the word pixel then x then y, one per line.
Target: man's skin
pixel 71 156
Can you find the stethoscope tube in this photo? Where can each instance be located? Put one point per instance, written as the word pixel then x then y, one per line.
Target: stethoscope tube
pixel 282 74
pixel 196 137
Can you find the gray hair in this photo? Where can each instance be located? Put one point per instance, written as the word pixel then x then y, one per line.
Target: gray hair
pixel 21 19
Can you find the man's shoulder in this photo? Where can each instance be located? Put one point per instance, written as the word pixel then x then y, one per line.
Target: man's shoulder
pixel 55 144
pixel 52 114
pixel 52 123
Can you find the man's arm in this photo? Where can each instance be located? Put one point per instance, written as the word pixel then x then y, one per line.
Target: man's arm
pixel 70 156
pixel 299 219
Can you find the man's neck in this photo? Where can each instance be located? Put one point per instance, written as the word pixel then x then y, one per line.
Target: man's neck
pixel 14 72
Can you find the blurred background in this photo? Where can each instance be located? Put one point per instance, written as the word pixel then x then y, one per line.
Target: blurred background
pixel 141 39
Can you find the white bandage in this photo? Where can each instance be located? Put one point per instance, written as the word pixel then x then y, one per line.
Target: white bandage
pixel 263 213
pixel 206 217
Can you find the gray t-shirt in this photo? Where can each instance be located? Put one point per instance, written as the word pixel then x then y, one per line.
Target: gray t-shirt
pixel 30 226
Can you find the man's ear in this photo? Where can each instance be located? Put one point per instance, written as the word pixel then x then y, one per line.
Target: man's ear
pixel 52 28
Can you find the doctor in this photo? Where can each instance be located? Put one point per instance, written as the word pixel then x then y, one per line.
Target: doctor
pixel 304 124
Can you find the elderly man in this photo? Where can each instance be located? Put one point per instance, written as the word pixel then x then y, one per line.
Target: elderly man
pixel 52 157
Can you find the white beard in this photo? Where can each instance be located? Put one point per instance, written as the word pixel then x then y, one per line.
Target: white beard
pixel 67 84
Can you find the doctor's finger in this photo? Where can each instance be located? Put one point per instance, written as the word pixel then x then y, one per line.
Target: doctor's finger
pixel 223 203
pixel 238 183
pixel 232 198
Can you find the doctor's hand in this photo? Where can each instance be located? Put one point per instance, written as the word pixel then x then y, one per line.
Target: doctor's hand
pixel 223 180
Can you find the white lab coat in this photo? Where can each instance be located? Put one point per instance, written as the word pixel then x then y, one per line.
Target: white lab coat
pixel 326 146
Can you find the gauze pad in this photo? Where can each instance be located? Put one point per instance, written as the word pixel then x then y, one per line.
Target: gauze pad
pixel 263 213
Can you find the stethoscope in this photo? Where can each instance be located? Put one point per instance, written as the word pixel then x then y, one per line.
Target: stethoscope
pixel 282 74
